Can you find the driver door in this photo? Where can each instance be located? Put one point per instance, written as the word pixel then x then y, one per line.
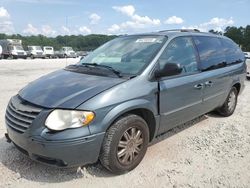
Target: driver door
pixel 180 96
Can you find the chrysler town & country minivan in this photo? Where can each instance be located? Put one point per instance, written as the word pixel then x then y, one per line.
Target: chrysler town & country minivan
pixel 114 102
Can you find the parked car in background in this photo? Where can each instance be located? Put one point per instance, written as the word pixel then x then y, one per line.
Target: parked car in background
pixel 122 96
pixel 12 48
pixel 66 52
pixel 49 51
pixel 1 49
pixel 247 55
pixel 35 52
pixel 81 54
pixel 248 68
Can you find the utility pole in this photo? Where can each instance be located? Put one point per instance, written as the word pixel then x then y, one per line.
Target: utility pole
pixel 66 41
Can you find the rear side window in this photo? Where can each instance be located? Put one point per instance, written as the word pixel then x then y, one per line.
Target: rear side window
pixel 211 52
pixel 232 52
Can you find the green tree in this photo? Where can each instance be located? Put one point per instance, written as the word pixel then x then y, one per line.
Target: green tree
pixel 79 42
pixel 236 34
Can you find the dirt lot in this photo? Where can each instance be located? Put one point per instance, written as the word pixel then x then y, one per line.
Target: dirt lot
pixel 209 152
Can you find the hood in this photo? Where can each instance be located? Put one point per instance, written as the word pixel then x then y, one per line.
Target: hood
pixel 65 89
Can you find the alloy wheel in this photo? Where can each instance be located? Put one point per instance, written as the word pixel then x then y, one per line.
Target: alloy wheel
pixel 130 145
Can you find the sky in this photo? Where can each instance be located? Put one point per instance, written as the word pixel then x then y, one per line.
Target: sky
pixel 73 17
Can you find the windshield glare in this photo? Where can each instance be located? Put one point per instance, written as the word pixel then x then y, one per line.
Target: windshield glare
pixel 128 55
pixel 18 47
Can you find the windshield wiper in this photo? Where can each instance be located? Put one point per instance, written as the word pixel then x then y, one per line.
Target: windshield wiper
pixel 118 73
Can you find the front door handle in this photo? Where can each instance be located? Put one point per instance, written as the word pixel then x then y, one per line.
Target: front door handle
pixel 199 86
pixel 208 83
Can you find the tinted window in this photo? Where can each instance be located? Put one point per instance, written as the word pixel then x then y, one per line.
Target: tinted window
pixel 211 52
pixel 180 51
pixel 232 52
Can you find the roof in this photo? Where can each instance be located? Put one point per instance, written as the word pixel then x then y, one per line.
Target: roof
pixel 181 32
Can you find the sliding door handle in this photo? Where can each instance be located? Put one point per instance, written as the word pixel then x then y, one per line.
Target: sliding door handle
pixel 208 83
pixel 199 86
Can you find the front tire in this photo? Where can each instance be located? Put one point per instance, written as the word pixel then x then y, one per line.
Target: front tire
pixel 229 106
pixel 125 144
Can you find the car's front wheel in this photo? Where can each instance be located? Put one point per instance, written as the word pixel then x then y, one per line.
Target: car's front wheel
pixel 125 144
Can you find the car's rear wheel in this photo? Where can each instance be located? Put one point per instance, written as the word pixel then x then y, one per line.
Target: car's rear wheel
pixel 125 144
pixel 229 106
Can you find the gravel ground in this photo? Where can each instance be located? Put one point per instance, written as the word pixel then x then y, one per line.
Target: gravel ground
pixel 209 151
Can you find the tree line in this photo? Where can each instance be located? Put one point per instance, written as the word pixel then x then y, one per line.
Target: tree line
pixel 240 35
pixel 78 43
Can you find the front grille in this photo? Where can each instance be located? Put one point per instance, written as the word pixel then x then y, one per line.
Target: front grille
pixel 20 114
pixel 20 53
pixel 39 53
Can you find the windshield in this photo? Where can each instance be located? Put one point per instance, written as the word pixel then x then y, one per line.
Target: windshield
pixel 128 55
pixel 38 48
pixel 68 49
pixel 18 47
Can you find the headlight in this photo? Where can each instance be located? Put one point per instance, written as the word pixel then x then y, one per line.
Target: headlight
pixel 67 119
pixel 14 53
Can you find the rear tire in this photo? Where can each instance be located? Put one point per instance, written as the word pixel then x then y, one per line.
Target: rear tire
pixel 229 106
pixel 125 144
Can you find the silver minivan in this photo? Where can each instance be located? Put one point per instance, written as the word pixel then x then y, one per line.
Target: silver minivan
pixel 111 104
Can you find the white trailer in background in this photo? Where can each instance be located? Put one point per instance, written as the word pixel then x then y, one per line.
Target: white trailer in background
pixel 12 48
pixel 49 51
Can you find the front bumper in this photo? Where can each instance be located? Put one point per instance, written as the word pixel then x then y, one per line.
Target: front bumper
pixel 20 56
pixel 63 153
pixel 71 56
pixel 50 55
pixel 38 56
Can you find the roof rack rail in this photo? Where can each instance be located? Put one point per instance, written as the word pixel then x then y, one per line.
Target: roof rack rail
pixel 181 30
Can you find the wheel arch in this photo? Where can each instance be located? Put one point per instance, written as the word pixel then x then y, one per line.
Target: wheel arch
pixel 140 107
pixel 237 85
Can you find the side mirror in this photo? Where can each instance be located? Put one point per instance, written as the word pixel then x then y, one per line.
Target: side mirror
pixel 170 69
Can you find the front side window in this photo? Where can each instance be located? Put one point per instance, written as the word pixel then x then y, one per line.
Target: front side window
pixel 11 47
pixel 180 51
pixel 129 54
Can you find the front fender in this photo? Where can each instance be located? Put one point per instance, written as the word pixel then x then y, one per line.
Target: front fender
pixel 104 122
